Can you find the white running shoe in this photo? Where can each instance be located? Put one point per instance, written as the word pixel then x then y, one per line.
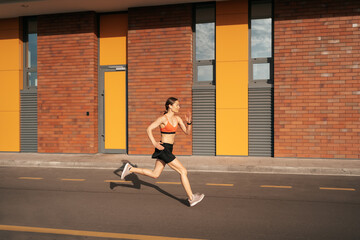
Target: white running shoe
pixel 197 197
pixel 126 171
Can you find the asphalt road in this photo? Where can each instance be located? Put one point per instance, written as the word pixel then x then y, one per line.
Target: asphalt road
pixel 51 203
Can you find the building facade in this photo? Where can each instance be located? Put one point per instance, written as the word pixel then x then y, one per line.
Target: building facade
pixel 269 78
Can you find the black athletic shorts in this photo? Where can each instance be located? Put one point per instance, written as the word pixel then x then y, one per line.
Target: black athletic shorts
pixel 165 154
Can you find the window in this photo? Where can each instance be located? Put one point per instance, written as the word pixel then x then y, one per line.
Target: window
pixel 30 40
pixel 204 67
pixel 261 41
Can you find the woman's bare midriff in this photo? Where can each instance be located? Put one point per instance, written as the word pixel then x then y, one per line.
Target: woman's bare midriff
pixel 168 138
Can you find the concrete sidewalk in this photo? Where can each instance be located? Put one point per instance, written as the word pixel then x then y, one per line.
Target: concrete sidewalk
pixel 192 163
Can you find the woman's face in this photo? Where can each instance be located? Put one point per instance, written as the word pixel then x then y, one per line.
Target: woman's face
pixel 175 107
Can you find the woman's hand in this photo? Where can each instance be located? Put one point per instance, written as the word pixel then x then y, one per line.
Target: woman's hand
pixel 159 146
pixel 188 117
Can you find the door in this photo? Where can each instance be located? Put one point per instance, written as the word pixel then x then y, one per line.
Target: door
pixel 112 110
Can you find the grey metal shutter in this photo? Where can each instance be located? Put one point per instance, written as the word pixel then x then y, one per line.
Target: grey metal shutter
pixel 204 118
pixel 261 141
pixel 28 122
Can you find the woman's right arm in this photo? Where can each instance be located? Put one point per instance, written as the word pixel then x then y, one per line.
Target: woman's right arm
pixel 151 127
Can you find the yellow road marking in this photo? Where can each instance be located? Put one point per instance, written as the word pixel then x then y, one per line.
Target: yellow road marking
pixel 31 178
pixel 87 233
pixel 273 186
pixel 168 182
pixel 120 181
pixel 220 184
pixel 73 180
pixel 338 189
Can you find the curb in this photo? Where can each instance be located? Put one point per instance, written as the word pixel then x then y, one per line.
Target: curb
pixel 190 167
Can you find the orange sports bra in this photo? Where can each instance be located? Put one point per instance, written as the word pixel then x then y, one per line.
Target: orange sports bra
pixel 169 128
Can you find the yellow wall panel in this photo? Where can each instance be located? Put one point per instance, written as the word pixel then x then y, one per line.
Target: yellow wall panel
pixel 232 133
pixel 115 110
pixel 10 131
pixel 232 84
pixel 9 49
pixel 113 39
pixel 21 82
pixel 232 78
pixel 10 83
pixel 9 91
pixel 232 37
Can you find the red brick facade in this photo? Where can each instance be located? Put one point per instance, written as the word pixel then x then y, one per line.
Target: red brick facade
pixel 67 83
pixel 159 66
pixel 317 79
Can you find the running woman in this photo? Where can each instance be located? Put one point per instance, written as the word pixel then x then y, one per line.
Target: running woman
pixel 168 124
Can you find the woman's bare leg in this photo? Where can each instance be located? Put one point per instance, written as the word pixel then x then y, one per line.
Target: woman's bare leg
pixel 155 173
pixel 177 166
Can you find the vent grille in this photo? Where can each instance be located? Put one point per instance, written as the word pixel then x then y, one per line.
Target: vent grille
pixel 261 140
pixel 28 122
pixel 204 126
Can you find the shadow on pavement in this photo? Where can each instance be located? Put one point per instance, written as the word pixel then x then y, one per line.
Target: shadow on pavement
pixel 136 183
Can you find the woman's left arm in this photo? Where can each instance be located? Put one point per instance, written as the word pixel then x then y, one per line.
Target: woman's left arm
pixel 188 127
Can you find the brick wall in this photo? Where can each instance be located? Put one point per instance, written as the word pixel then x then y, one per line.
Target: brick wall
pixel 159 66
pixel 67 83
pixel 317 79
